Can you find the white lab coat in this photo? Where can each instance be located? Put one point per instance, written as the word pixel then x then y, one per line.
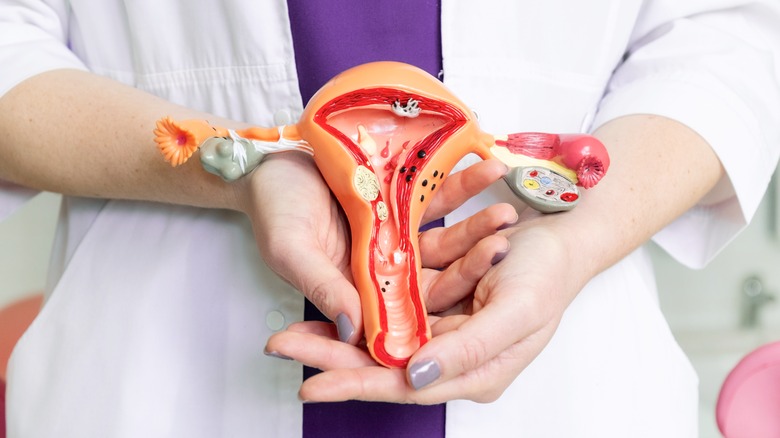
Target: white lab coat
pixel 156 316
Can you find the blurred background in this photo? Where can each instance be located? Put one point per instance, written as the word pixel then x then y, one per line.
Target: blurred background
pixel 718 314
pixel 721 313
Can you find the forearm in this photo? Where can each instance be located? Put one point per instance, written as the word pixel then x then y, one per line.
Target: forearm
pixel 80 134
pixel 660 168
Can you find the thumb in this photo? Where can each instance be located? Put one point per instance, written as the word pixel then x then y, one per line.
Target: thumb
pixel 313 273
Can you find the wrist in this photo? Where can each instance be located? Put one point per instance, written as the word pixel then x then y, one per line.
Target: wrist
pixel 272 177
pixel 580 249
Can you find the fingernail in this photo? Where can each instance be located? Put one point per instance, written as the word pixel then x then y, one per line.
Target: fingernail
pixel 509 223
pixel 499 256
pixel 344 327
pixel 276 355
pixel 506 225
pixel 424 373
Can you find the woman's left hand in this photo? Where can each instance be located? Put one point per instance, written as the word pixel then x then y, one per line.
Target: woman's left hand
pixel 478 348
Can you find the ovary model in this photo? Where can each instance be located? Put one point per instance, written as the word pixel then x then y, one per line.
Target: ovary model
pixel 385 136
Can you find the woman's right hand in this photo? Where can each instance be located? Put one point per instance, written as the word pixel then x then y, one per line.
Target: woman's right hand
pixel 303 235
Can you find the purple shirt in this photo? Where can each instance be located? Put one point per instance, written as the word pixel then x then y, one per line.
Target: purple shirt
pixel 330 37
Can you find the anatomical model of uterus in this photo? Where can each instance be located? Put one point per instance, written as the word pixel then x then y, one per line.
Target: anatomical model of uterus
pixel 385 136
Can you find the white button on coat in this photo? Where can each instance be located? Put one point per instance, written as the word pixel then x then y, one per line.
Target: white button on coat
pixel 275 320
pixel 283 117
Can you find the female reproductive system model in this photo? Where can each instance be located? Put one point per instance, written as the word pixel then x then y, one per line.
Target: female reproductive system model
pixel 385 136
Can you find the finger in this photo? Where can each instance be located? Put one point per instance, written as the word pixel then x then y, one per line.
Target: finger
pixel 490 337
pixel 318 328
pixel 351 379
pixel 441 246
pixel 366 383
pixel 463 185
pixel 486 382
pixel 502 320
pixel 474 342
pixel 312 272
pixel 447 324
pixel 349 372
pixel 444 289
pixel 318 351
pixel 520 298
pixel 389 385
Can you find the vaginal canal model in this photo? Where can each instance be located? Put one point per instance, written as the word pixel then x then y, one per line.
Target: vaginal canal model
pixel 385 135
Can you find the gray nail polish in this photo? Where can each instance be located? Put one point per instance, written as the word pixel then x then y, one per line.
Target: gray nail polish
pixel 506 225
pixel 344 327
pixel 276 355
pixel 499 256
pixel 424 373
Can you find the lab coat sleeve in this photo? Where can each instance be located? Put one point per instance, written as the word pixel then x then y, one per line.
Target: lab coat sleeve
pixel 33 39
pixel 716 72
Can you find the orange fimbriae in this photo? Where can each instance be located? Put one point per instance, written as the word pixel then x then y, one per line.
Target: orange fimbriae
pixel 385 136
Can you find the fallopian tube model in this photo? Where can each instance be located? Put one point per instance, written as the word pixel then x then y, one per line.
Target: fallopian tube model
pixel 385 136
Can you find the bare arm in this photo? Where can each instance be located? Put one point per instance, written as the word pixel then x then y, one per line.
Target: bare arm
pixel 660 170
pixel 77 133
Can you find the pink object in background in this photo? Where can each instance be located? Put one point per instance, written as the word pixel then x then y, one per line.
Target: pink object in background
pixel 14 320
pixel 749 401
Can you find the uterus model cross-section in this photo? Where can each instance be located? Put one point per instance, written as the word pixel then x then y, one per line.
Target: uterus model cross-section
pixel 385 136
